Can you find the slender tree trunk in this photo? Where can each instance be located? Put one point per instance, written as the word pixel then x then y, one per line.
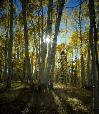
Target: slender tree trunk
pixel 17 51
pixel 58 20
pixel 49 30
pixel 39 46
pixel 49 19
pixel 76 51
pixel 43 51
pixel 66 68
pixel 94 73
pixel 80 27
pixel 27 59
pixel 92 18
pixel 6 55
pixel 10 45
pixel 72 79
pixel 89 76
pixel 94 59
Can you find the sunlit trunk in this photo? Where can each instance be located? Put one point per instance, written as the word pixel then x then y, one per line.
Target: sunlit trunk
pixel 81 43
pixel 49 30
pixel 43 50
pixel 5 55
pixel 72 67
pixel 57 25
pixel 76 76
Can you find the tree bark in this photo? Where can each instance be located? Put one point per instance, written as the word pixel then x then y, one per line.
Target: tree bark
pixel 27 59
pixel 49 30
pixel 81 54
pixel 10 45
pixel 57 25
pixel 92 18
pixel 94 59
pixel 89 76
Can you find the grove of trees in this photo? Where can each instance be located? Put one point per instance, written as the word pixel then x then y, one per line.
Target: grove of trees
pixel 31 53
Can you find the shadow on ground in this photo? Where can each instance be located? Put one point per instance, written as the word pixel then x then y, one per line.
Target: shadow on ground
pixel 57 101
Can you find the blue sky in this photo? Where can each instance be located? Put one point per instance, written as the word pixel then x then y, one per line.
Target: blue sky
pixel 71 3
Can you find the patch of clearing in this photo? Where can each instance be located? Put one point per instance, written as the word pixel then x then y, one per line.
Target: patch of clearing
pixel 59 104
pixel 59 86
pixel 76 104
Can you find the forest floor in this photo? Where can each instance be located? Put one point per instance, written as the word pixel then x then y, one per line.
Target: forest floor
pixel 20 99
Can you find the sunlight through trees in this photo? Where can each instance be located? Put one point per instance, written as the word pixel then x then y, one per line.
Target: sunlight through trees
pixel 48 42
